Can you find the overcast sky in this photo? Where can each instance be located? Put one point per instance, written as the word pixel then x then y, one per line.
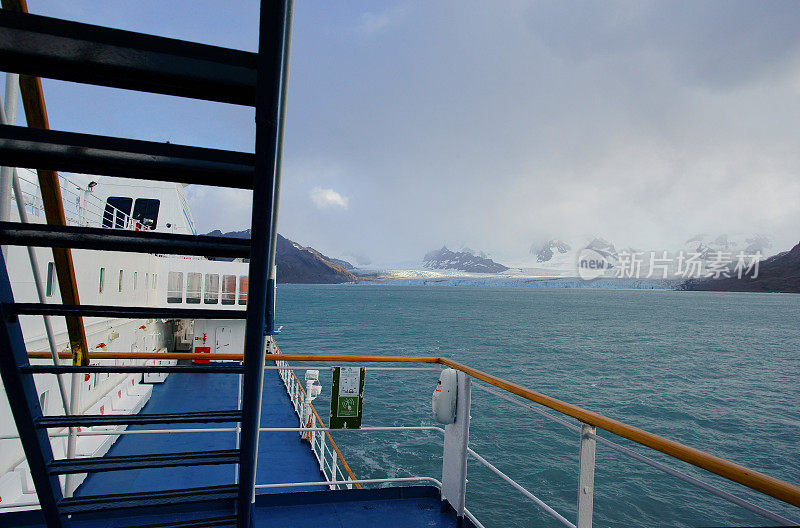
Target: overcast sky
pixel 491 124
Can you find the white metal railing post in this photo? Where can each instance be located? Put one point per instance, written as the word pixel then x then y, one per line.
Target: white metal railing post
pixel 321 451
pixel 334 466
pixel 456 443
pixel 238 431
pixel 586 476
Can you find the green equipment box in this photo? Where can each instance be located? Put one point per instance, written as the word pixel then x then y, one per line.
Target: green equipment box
pixel 347 397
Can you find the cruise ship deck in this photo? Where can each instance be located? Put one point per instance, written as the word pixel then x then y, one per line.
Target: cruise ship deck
pixel 282 458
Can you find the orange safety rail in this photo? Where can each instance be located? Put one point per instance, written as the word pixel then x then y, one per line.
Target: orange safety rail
pixel 779 489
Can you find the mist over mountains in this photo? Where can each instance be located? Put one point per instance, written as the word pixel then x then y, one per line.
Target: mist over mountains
pixel 558 252
pixel 464 260
pixel 556 258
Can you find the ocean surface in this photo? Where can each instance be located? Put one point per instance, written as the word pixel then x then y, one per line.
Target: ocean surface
pixel 716 371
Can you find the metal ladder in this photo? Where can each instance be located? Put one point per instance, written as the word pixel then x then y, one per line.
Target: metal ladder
pixel 46 47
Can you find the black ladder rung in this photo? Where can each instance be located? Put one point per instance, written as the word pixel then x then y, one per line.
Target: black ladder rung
pixel 214 522
pixel 126 462
pixel 37 148
pixel 106 239
pixel 149 498
pixel 91 420
pixel 130 312
pixel 135 369
pixel 71 51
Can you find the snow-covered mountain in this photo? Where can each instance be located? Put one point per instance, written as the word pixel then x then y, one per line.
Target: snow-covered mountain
pixel 462 261
pixel 549 249
pixel 711 245
pixel 559 256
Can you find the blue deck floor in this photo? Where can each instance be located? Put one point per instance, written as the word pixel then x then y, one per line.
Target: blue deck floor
pixel 282 457
pixel 408 507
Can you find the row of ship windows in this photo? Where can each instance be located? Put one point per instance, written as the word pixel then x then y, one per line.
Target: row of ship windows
pixel 149 280
pixel 207 289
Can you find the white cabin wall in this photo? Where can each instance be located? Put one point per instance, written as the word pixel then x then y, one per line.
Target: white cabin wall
pixel 118 335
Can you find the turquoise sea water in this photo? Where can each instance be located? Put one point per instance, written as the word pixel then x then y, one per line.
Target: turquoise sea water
pixel 717 371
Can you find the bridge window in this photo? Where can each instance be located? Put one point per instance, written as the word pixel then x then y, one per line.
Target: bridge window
pixel 229 289
pixel 175 287
pixel 145 211
pixel 194 283
pixel 118 209
pixel 102 279
pixel 212 289
pixel 120 281
pixel 244 282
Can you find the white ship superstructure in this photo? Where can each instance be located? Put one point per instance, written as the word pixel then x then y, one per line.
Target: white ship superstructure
pixel 118 279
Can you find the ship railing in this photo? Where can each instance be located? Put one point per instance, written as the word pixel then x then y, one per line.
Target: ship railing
pixel 313 429
pixel 81 206
pixel 457 448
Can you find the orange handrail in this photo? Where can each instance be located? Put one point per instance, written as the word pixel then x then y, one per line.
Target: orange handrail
pixel 141 355
pixel 779 489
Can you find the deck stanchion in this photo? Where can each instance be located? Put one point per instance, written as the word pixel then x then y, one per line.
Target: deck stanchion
pixel 456 444
pixel 7 172
pixel 586 476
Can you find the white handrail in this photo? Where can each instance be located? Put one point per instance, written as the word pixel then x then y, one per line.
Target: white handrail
pixel 234 430
pixel 472 518
pixel 18 505
pixel 359 481
pixel 695 482
pixel 83 209
pixel 554 514
pixel 283 368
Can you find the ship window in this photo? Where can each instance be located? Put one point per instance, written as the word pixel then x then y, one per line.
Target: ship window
pixel 175 287
pixel 102 279
pixel 194 282
pixel 50 279
pixel 134 281
pixel 212 289
pixel 145 211
pixel 118 209
pixel 229 289
pixel 243 284
pixel 120 280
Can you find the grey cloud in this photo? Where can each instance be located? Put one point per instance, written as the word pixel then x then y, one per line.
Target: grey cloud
pixel 719 45
pixel 461 122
